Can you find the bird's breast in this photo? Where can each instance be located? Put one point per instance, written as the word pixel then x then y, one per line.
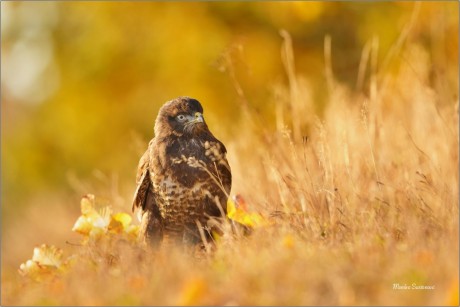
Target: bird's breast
pixel 178 204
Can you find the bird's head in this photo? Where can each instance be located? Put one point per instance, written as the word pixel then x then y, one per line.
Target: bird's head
pixel 182 116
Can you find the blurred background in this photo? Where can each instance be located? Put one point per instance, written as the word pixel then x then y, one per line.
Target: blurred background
pixel 81 83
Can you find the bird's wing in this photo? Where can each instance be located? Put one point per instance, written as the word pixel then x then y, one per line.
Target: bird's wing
pixel 144 200
pixel 144 183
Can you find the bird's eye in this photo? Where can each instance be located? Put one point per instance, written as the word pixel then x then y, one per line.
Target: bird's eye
pixel 181 117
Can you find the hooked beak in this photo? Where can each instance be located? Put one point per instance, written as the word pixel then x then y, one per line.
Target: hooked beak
pixel 198 118
pixel 195 123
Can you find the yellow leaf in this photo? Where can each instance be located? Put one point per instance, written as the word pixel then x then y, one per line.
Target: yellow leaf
pixel 48 255
pixel 120 222
pixel 46 261
pixel 239 214
pixel 91 222
pixel 231 208
pixel 82 225
pixel 124 218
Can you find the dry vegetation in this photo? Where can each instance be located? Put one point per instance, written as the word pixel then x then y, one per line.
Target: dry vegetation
pixel 366 199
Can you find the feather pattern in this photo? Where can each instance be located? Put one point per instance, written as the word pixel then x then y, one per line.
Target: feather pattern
pixel 183 179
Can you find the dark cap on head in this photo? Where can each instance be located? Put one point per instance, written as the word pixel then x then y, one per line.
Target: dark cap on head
pixel 182 104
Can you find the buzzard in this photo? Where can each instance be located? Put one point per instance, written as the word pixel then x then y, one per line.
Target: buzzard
pixel 183 178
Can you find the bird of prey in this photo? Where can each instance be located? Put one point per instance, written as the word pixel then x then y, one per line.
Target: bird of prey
pixel 183 178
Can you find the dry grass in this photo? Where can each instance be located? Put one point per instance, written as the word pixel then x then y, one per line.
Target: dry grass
pixel 367 199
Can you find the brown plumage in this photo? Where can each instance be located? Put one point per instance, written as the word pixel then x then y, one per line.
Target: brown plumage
pixel 183 179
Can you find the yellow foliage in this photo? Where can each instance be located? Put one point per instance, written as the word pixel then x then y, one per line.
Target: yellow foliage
pixel 46 261
pixel 119 222
pixel 364 211
pixel 94 224
pixel 237 212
